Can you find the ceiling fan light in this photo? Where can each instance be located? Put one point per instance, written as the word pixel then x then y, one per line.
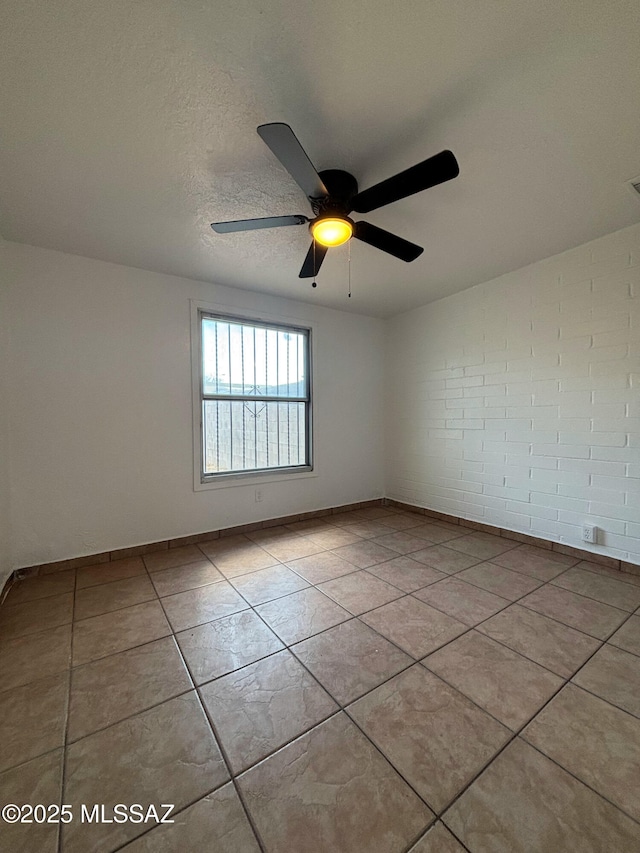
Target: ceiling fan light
pixel 332 231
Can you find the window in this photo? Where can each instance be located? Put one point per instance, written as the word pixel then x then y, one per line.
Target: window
pixel 255 396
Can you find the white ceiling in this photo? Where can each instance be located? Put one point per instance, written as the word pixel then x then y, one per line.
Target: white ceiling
pixel 127 127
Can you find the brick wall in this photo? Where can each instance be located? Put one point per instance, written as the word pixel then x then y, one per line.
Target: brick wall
pixel 517 403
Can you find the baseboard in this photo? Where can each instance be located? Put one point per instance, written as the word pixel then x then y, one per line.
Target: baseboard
pixel 548 544
pixel 165 544
pixel 208 536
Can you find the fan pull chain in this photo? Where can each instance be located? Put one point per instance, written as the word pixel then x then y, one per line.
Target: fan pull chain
pixel 314 283
pixel 349 267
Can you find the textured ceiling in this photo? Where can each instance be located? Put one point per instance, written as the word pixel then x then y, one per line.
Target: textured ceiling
pixel 127 127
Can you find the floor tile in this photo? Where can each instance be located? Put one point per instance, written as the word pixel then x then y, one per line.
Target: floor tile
pixel 333 538
pixel 484 545
pixel 368 529
pixel 26 659
pixel 38 781
pixel 237 555
pixel 404 521
pixel 614 675
pixel 437 533
pixel 350 659
pixel 438 840
pixel 301 615
pixel 292 548
pixel 601 588
pixel 545 641
pixel 172 557
pixel 360 591
pixel 432 734
pixel 366 553
pixel 196 606
pixel 108 690
pixel 321 567
pixel 257 709
pixel 112 596
pixel 114 632
pixel 465 602
pixel 616 574
pixel 32 719
pixel 226 545
pixel 268 534
pixel 116 570
pixel 401 542
pixel 34 616
pixel 271 707
pixel 448 527
pixel 445 559
pixel 41 586
pixel 508 686
pixel 217 823
pixel 405 573
pixel 164 755
pixel 182 578
pixel 414 626
pixel 537 562
pixel 628 636
pixel 268 584
pixel 499 581
pixel 524 803
pixel 343 518
pixel 229 643
pixel 585 614
pixel 331 790
pixel 593 740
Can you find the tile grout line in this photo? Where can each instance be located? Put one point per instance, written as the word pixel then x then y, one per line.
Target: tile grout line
pixel 174 814
pixel 414 660
pixel 426 831
pixel 316 585
pixel 311 585
pixel 453 688
pixel 581 781
pixel 564 625
pixel 63 778
pixel 515 734
pixel 150 573
pixel 290 647
pixel 340 709
pixel 518 733
pixel 597 696
pixel 216 738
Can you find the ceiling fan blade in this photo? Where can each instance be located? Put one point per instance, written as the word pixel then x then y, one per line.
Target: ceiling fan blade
pixel 386 241
pixel 307 270
pixel 436 170
pixel 253 224
pixel 284 144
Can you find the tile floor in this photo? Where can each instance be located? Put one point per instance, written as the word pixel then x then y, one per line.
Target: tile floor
pixel 369 681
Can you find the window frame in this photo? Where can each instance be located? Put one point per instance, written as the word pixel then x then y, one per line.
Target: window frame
pixel 202 480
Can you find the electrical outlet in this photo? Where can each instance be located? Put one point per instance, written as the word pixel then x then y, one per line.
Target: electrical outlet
pixel 258 495
pixel 589 533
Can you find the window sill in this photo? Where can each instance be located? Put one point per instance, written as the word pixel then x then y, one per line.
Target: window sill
pixel 252 478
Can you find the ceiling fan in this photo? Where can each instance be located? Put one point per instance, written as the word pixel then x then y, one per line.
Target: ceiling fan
pixel 333 195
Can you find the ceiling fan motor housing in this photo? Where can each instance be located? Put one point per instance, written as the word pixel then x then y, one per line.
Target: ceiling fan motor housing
pixel 342 187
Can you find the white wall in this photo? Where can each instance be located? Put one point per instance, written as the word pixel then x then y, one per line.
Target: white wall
pixel 101 415
pixel 5 519
pixel 516 403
